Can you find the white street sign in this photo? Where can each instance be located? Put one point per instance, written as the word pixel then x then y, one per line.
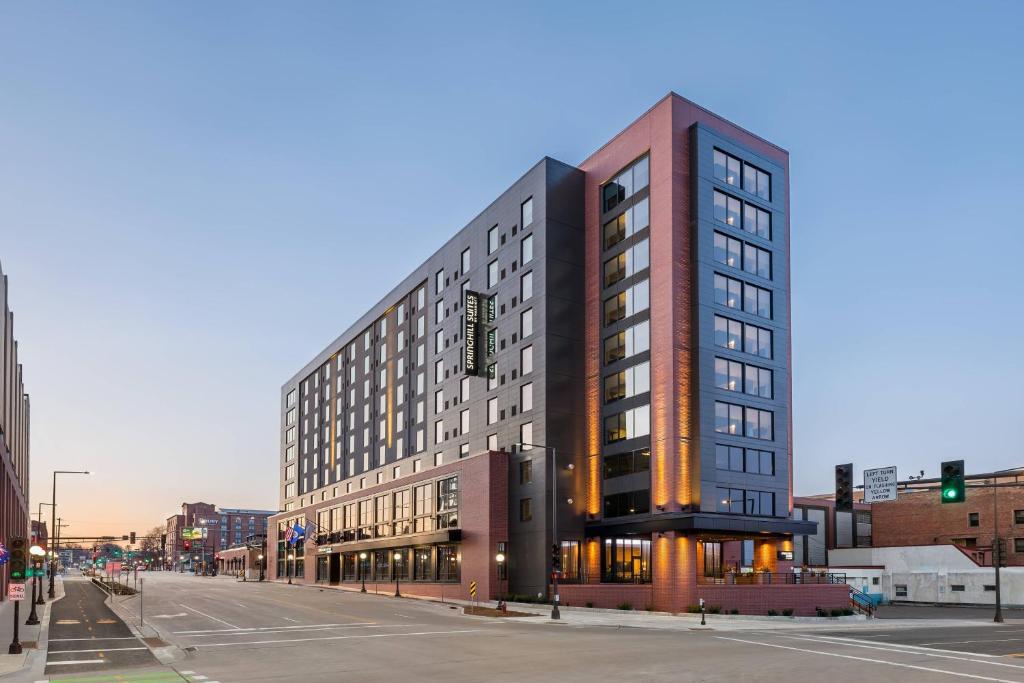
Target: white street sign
pixel 880 484
pixel 15 591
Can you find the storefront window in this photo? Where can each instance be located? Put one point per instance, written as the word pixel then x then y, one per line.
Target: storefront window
pixel 447 563
pixel 627 560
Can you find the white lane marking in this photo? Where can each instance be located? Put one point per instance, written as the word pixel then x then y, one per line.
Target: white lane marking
pixel 197 677
pixel 169 616
pixel 826 640
pixel 402 615
pixel 68 640
pixel 77 661
pixel 254 629
pixel 290 619
pixel 209 616
pixel 922 650
pixel 868 659
pixel 284 629
pixel 371 635
pixel 966 642
pixel 186 673
pixel 241 605
pixel 98 649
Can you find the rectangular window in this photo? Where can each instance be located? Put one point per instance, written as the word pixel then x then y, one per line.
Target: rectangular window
pixel 492 274
pixel 757 182
pixel 625 184
pixel 1018 516
pixel 629 382
pixel 734 376
pixel 492 410
pixel 438 401
pixel 526 435
pixel 1018 545
pixel 626 560
pixel 439 281
pixel 621 464
pixel 438 311
pixel 728 418
pixel 492 442
pixel 526 286
pixel 628 263
pixel 727 168
pixel 526 397
pixel 728 209
pixel 627 303
pixel 630 222
pixel 628 424
pixel 900 590
pixel 526 360
pixel 493 240
pixel 732 334
pixel 746 502
pixel 526 471
pixel 526 323
pixel 439 431
pixel 526 212
pixel 526 250
pixel 757 221
pixel 465 261
pixel 627 503
pixel 631 341
pixel 525 509
pixel 464 421
pixel 972 519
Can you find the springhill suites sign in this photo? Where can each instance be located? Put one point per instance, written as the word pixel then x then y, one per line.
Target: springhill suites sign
pixel 471 332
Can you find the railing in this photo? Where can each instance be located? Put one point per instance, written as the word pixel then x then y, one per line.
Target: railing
pixel 861 602
pixel 768 578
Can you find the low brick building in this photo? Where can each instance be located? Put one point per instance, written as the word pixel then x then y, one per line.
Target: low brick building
pixel 918 517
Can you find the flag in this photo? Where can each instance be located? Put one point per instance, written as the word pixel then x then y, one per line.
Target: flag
pixel 289 534
pixel 299 533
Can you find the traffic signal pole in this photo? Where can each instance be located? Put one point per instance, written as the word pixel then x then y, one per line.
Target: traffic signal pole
pixel 997 554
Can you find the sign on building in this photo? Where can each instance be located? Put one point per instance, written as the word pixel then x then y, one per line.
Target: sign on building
pixel 880 484
pixel 471 333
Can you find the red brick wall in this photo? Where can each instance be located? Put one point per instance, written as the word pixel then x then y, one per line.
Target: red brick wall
pixel 921 519
pixel 757 600
pixel 483 514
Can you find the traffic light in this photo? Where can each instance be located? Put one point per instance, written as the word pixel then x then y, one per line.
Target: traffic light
pixel 556 558
pixel 18 559
pixel 186 544
pixel 132 538
pixel 953 488
pixel 844 487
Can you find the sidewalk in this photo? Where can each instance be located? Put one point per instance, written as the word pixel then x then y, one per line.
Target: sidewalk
pixel 32 638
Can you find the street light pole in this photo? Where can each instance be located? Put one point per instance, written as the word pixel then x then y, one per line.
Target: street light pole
pixel 998 554
pixel 53 520
pixel 554 523
pixel 38 579
pixel 362 571
pixel 398 559
pixel 260 558
pixel 291 567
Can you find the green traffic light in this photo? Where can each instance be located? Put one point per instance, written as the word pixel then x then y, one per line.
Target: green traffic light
pixel 949 493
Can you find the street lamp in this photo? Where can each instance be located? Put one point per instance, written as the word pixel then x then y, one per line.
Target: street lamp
pixel 36 552
pixel 291 567
pixel 260 558
pixel 555 547
pixel 362 572
pixel 39 579
pixel 398 561
pixel 500 559
pixel 53 520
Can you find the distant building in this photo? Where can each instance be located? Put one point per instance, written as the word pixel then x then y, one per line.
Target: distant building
pixel 14 432
pixel 840 529
pixel 210 530
pixel 39 534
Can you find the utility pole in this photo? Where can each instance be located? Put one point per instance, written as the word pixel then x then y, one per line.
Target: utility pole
pixel 997 548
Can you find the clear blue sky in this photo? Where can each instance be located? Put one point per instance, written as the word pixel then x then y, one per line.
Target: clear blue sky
pixel 177 178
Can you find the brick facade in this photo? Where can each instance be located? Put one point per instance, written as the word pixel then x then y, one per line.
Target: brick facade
pixel 920 518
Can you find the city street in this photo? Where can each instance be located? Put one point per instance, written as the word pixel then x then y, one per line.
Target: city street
pixel 228 631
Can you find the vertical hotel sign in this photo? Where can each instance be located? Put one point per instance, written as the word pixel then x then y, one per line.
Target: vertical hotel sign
pixel 471 332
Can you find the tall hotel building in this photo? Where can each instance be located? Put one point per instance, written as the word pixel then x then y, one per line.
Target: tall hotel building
pixel 636 374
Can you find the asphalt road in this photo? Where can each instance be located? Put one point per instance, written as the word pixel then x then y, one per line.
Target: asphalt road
pixel 231 632
pixel 85 635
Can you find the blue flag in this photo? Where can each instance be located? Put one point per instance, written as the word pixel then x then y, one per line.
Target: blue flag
pixel 299 533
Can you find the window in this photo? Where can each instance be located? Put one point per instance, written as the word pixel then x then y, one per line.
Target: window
pixel 758 423
pixel 745 502
pixel 526 397
pixel 525 509
pixel 438 281
pixel 621 464
pixel 1018 516
pixel 526 250
pixel 526 435
pixel 956 587
pixel 629 382
pixel 755 340
pixel 492 442
pixel 492 410
pixel 629 342
pixel 734 376
pixel 526 323
pixel 464 389
pixel 736 254
pixel 492 377
pixel 755 220
pixel 757 261
pixel 756 181
pixel 901 590
pixel 628 503
pixel 728 209
pixel 972 519
pixel 526 360
pixel 438 371
pixel 727 168
pixel 439 431
pixel 750 460
pixel 728 418
pixel 628 424
pixel 628 263
pixel 625 184
pixel 733 293
pixel 1018 545
pixel 438 401
pixel 630 222
pixel 526 286
pixel 492 274
pixel 438 311
pixel 627 303
pixel 526 212
pixel 728 250
pixel 493 240
pixel 626 560
pixel 526 471
pixel 464 421
pixel 465 261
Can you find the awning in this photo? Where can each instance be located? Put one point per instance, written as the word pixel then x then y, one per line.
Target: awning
pixel 444 536
pixel 695 522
